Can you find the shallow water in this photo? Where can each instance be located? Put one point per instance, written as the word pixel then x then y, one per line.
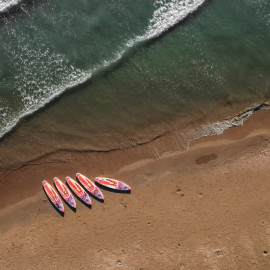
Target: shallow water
pixel 145 71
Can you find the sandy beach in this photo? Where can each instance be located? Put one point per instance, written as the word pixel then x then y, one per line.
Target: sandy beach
pixel 205 208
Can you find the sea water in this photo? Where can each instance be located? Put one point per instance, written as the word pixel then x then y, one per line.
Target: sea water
pixel 104 75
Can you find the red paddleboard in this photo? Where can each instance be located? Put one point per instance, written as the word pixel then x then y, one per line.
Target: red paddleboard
pixel 78 190
pixel 90 186
pixel 64 192
pixel 113 184
pixel 53 196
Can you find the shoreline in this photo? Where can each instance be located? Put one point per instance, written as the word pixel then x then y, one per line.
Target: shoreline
pixel 114 160
pixel 205 208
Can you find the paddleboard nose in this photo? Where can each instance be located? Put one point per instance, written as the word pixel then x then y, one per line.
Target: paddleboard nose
pixel 126 187
pixel 100 195
pixel 61 207
pixel 73 203
pixel 88 201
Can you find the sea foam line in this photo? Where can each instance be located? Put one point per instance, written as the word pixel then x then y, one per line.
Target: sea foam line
pixel 218 127
pixel 180 140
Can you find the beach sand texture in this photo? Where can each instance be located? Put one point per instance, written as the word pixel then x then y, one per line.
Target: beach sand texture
pixel 206 208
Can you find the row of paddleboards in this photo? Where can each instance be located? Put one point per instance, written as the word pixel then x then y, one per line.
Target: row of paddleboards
pixel 79 188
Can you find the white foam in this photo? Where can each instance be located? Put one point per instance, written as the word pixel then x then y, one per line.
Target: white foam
pixel 5 5
pixel 167 14
pixel 42 75
pixel 217 128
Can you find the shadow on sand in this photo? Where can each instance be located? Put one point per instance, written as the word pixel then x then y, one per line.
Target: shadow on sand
pixel 59 212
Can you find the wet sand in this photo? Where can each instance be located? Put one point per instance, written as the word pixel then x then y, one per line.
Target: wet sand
pixel 206 208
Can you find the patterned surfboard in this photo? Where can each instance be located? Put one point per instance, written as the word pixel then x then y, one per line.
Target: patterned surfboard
pixel 53 196
pixel 64 192
pixel 90 186
pixel 112 183
pixel 78 190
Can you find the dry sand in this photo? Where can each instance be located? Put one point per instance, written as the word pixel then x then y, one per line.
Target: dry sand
pixel 206 208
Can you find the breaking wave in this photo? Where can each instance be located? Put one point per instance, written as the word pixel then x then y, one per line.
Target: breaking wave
pixel 167 14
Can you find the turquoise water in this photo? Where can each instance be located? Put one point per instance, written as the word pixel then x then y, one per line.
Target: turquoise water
pixel 125 72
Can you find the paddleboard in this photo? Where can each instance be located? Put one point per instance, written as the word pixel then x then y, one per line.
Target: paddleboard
pixel 112 183
pixel 90 186
pixel 53 196
pixel 64 192
pixel 78 190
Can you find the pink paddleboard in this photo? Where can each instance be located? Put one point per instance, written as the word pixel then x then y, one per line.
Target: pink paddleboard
pixel 90 186
pixel 112 183
pixel 78 190
pixel 53 196
pixel 64 192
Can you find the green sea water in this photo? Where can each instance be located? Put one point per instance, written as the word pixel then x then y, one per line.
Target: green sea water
pixel 102 75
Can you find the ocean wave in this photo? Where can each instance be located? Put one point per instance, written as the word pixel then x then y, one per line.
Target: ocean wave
pixel 36 79
pixel 166 15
